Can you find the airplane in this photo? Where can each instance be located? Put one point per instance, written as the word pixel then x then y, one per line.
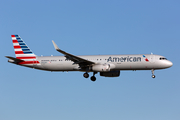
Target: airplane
pixel 106 65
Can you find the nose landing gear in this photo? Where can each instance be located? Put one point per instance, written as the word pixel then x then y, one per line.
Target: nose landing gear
pixel 153 76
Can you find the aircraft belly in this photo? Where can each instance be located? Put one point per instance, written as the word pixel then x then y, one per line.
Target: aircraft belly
pixel 58 66
pixel 133 66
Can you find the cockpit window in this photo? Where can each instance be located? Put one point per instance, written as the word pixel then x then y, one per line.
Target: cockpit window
pixel 162 58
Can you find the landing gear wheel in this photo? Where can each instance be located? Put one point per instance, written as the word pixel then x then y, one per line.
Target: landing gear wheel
pixel 93 78
pixel 86 75
pixel 153 76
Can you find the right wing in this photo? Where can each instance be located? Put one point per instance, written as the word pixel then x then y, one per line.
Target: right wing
pixel 75 59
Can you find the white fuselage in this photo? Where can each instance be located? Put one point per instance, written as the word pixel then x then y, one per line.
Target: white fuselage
pixel 116 62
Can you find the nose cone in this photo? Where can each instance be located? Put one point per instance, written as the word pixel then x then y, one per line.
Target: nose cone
pixel 169 64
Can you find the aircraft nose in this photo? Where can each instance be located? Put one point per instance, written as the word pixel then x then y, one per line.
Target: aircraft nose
pixel 169 64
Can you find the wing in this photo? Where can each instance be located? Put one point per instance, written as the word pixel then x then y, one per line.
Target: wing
pixel 75 59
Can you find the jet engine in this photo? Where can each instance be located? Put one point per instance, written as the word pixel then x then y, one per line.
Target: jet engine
pixel 101 67
pixel 110 74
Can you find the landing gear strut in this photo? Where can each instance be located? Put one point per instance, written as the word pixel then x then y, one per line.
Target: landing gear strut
pixel 153 76
pixel 93 78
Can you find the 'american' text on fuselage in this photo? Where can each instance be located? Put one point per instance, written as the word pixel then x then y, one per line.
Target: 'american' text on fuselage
pixel 124 59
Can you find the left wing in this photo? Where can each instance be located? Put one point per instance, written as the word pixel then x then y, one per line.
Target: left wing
pixel 75 59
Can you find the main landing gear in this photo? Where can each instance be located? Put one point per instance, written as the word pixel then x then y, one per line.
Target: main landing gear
pixel 153 76
pixel 86 75
pixel 93 78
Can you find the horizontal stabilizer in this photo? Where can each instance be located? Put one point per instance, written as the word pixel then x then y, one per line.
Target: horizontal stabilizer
pixel 15 59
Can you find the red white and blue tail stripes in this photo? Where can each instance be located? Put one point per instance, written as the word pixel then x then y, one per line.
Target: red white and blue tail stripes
pixel 22 51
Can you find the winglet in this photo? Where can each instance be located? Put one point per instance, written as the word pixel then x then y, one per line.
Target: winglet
pixel 55 46
pixel 72 57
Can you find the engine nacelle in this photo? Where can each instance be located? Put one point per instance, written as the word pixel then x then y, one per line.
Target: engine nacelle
pixel 101 68
pixel 110 74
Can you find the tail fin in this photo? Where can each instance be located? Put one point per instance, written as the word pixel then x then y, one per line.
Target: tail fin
pixel 22 51
pixel 20 48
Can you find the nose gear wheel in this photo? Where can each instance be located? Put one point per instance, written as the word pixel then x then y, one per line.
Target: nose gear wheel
pixel 153 76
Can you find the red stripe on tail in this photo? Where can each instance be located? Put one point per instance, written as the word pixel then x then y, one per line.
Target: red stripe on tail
pixel 17 47
pixel 19 52
pixel 15 41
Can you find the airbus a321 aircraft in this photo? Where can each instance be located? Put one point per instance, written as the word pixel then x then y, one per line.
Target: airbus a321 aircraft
pixel 106 65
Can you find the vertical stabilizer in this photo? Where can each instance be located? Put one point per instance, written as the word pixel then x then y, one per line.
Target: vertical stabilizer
pixel 22 51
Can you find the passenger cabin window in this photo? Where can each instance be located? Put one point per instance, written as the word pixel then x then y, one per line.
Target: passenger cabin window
pixel 162 58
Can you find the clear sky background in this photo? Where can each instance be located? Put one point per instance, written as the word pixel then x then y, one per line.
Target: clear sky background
pixel 90 27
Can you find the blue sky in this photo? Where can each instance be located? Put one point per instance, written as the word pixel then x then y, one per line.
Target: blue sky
pixel 88 27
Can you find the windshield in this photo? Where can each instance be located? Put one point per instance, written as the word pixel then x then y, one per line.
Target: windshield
pixel 162 58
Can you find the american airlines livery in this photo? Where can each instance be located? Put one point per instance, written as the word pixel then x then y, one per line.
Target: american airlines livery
pixel 106 65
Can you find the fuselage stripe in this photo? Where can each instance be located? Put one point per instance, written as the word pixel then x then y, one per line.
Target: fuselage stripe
pixel 29 62
pixel 26 57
